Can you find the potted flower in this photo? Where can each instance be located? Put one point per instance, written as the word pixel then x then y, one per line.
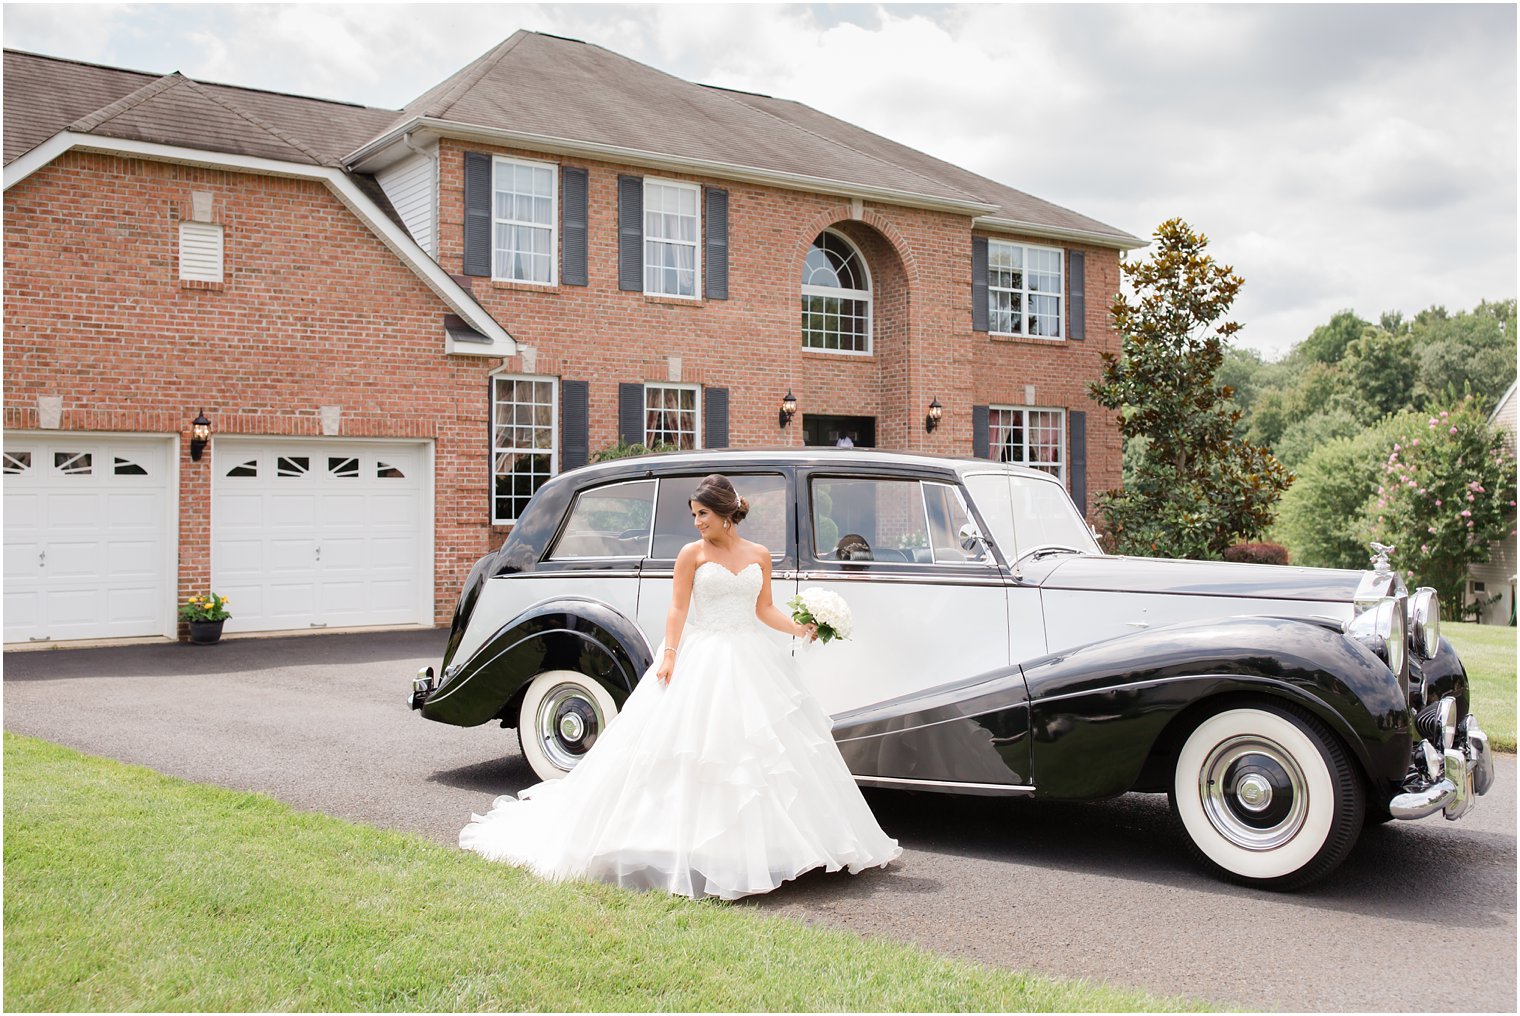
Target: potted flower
pixel 205 615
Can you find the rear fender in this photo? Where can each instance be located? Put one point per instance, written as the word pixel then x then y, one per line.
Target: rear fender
pixel 566 633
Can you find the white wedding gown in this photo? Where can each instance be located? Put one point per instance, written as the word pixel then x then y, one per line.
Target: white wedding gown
pixel 724 783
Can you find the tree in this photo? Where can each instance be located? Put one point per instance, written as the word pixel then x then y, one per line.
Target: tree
pixel 1323 519
pixel 1474 347
pixel 1328 342
pixel 1380 370
pixel 1197 489
pixel 1447 492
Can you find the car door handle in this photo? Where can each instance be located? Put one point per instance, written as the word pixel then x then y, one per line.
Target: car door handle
pixel 1138 624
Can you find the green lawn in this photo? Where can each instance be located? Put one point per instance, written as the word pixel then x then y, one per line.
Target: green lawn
pixel 125 890
pixel 1488 653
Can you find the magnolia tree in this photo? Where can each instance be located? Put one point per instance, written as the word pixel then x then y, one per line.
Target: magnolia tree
pixel 1447 493
pixel 1191 487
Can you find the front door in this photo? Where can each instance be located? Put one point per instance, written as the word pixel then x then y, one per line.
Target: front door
pixel 839 431
pixel 926 612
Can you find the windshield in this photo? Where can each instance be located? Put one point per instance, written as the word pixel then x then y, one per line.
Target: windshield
pixel 1026 512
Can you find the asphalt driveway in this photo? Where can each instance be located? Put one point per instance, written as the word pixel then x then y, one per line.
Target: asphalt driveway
pixel 1421 917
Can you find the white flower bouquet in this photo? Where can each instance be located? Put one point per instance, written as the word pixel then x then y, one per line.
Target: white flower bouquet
pixel 825 609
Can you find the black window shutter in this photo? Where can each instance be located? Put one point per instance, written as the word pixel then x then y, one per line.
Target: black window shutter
pixel 1076 289
pixel 715 422
pixel 575 425
pixel 715 269
pixel 572 240
pixel 631 413
pixel 1076 455
pixel 477 214
pixel 980 433
pixel 631 235
pixel 978 283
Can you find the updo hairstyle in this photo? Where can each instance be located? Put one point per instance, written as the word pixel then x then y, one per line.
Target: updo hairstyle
pixel 716 493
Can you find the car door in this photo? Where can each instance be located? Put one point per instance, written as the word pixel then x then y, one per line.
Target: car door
pixel 926 611
pixel 771 522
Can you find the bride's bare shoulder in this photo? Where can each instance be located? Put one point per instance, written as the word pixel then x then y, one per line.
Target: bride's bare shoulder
pixel 690 555
pixel 757 552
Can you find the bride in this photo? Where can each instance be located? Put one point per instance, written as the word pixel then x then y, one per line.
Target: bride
pixel 720 776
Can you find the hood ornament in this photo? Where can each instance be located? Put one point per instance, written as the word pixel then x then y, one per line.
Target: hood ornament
pixel 1380 552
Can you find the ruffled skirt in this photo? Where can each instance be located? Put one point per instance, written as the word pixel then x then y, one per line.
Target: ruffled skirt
pixel 725 783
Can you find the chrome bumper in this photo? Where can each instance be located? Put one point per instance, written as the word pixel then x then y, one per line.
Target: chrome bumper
pixel 1447 778
pixel 422 687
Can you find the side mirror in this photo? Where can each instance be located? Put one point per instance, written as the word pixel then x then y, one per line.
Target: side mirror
pixel 971 538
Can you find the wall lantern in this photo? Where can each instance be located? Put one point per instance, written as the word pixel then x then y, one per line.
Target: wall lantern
pixel 788 408
pixel 935 412
pixel 200 433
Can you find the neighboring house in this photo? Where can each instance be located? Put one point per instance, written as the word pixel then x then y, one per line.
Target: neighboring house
pixel 399 323
pixel 1494 580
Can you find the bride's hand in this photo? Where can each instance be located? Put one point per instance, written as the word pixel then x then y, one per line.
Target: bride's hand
pixel 667 666
pixel 808 632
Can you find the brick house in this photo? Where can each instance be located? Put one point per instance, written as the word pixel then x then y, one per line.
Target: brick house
pixel 395 324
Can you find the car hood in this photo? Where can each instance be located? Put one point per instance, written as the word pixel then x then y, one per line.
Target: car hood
pixel 1199 578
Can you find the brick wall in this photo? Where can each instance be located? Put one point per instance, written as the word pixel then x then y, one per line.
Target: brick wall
pixel 314 311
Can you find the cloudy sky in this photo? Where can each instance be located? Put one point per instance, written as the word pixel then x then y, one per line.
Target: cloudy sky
pixel 1358 156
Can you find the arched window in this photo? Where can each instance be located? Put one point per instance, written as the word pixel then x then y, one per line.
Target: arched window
pixel 836 297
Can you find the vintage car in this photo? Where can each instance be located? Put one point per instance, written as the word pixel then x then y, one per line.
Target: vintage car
pixel 996 650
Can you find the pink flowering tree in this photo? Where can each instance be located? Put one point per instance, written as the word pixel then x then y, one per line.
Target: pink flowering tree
pixel 1447 492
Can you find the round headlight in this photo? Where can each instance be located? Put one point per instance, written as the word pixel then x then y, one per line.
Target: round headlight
pixel 1425 622
pixel 1398 639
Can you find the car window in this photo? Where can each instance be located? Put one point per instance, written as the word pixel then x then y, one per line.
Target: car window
pixel 610 521
pixel 947 514
pixel 1026 512
pixel 861 519
pixel 765 524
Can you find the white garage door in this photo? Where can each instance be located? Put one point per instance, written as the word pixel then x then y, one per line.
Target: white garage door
pixel 88 537
pixel 321 534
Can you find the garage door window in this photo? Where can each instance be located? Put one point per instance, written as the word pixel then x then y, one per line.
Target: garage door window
pixel 17 463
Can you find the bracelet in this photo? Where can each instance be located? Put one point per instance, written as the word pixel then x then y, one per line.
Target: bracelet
pixel 670 649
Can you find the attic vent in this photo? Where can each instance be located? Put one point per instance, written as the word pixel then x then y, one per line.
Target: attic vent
pixel 200 252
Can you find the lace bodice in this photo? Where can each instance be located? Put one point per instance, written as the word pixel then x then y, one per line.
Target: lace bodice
pixel 722 600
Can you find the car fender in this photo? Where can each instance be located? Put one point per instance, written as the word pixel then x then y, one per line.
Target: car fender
pixel 1098 713
pixel 564 633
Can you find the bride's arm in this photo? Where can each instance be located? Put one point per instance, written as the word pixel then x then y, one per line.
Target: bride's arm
pixel 675 617
pixel 771 616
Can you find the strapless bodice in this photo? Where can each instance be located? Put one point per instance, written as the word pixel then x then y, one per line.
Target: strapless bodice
pixel 722 600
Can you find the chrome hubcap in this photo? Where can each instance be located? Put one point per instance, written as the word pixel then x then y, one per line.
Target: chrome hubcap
pixel 568 723
pixel 1253 792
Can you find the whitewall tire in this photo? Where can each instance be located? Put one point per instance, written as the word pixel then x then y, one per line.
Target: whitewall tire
pixel 1267 796
pixel 563 713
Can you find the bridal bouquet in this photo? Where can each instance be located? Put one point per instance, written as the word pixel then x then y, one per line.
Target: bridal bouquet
pixel 825 609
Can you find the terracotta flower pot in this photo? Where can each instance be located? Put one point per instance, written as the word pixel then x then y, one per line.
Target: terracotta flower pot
pixel 206 633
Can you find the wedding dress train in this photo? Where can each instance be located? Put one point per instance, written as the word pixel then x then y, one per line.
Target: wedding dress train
pixel 724 783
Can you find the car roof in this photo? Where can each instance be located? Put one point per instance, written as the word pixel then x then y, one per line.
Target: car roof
pixel 716 460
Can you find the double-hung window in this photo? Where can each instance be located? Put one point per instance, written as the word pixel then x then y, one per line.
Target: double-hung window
pixel 672 234
pixel 524 455
pixel 523 216
pixel 1024 290
pixel 836 297
pixel 672 416
pixel 1029 437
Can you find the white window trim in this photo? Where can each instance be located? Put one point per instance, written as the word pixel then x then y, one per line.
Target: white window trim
pixel 553 169
pixel 850 294
pixel 697 402
pixel 1060 254
pixel 696 245
pixel 202 252
pixel 497 451
pixel 1063 463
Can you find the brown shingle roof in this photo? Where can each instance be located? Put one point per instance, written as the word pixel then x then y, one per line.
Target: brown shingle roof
pixel 44 95
pixel 559 88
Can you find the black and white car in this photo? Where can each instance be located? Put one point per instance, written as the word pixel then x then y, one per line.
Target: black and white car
pixel 996 650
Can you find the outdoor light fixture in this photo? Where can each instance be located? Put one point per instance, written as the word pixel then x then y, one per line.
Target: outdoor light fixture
pixel 200 433
pixel 788 408
pixel 935 412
